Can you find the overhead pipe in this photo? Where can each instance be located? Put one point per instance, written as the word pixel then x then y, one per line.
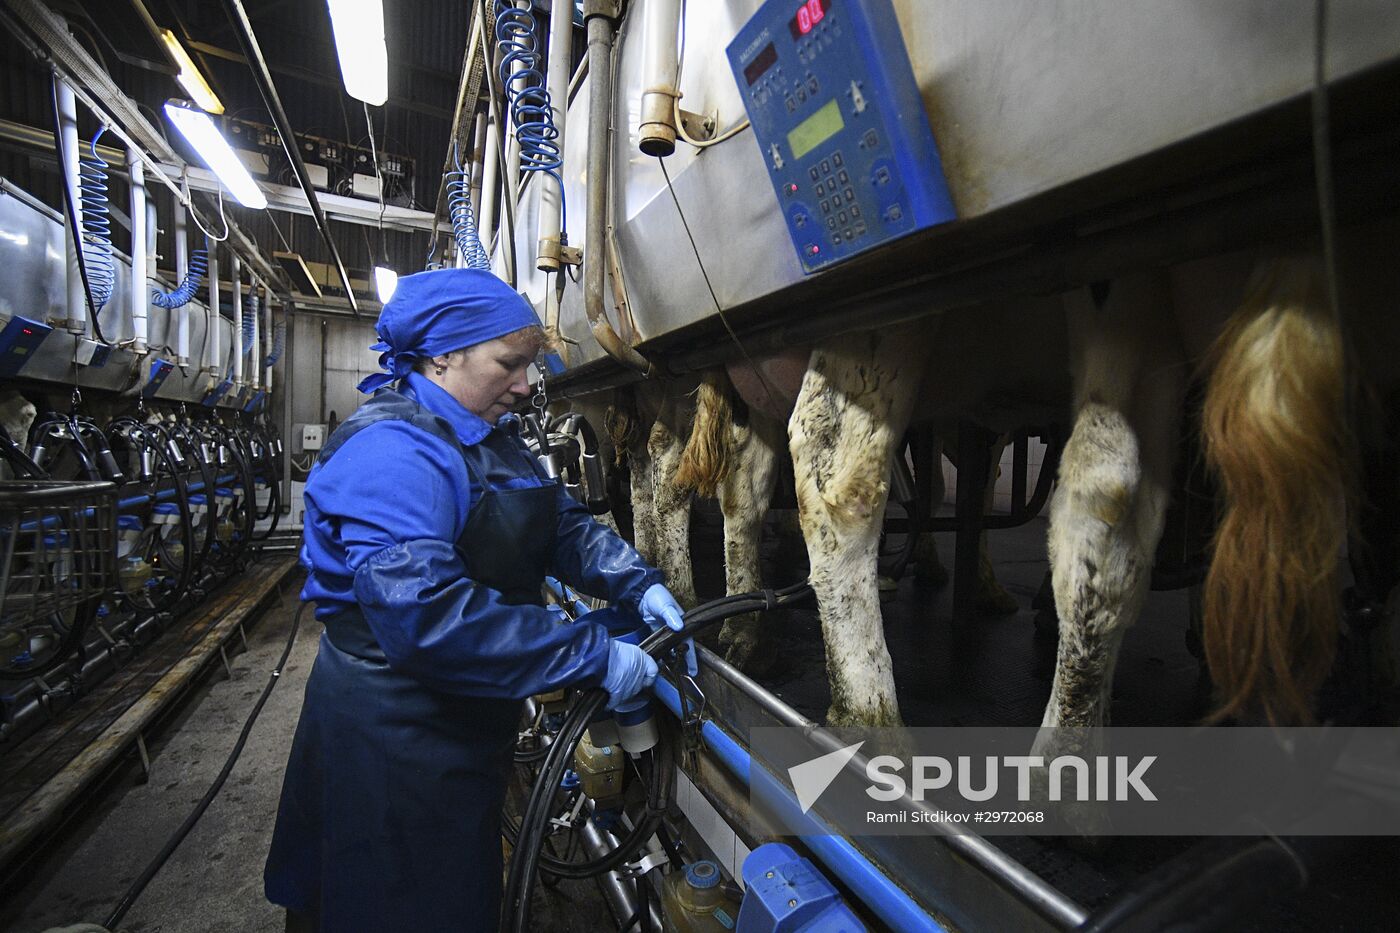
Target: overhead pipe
pixel 660 26
pixel 76 296
pixel 600 41
pixel 243 28
pixel 140 296
pixel 182 269
pixel 561 51
pixel 213 359
pixel 237 340
pixel 162 343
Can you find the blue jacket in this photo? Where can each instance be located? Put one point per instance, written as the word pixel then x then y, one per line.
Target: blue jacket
pixel 382 516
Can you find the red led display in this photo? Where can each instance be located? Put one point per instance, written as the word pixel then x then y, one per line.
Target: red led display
pixel 809 14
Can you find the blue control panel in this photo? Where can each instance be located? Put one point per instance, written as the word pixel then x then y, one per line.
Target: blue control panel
pixel 18 341
pixel 159 370
pixel 211 398
pixel 838 117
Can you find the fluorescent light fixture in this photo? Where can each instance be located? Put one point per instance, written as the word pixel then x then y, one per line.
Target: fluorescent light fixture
pixel 190 77
pixel 215 151
pixel 359 41
pixel 385 281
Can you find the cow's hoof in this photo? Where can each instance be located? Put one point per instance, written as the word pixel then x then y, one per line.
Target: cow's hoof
pixel 992 600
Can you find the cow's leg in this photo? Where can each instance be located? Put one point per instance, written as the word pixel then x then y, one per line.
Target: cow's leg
pixel 928 468
pixel 744 496
pixel 671 504
pixel 854 406
pixel 643 499
pixel 1114 481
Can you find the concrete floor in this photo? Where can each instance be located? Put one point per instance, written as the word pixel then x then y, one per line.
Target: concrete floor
pixel 213 882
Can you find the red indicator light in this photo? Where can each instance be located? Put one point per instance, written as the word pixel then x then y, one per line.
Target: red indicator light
pixel 808 15
pixel 814 249
pixel 26 331
pixel 792 189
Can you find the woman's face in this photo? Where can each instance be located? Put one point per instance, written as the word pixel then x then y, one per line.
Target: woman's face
pixel 488 379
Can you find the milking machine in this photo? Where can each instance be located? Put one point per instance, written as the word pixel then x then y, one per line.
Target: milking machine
pixel 186 494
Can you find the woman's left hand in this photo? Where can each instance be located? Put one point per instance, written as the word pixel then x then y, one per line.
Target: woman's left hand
pixel 659 608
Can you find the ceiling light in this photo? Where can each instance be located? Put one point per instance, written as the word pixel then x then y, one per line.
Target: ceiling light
pixel 201 133
pixel 359 41
pixel 190 77
pixel 385 281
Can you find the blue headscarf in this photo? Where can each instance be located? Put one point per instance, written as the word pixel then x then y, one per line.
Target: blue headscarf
pixel 437 312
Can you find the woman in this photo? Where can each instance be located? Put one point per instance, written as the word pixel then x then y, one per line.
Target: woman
pixel 428 532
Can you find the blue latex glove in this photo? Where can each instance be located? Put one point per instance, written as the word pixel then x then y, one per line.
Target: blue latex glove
pixel 659 607
pixel 630 671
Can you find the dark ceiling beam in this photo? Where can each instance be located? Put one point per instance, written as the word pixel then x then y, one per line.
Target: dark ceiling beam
pixel 243 28
pixel 320 80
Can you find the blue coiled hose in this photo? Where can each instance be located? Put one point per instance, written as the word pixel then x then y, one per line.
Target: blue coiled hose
pixel 279 343
pixel 194 277
pixel 459 208
pixel 97 224
pixel 530 108
pixel 250 309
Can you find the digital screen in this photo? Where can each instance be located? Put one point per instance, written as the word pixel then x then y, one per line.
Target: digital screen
pixel 808 15
pixel 761 63
pixel 816 129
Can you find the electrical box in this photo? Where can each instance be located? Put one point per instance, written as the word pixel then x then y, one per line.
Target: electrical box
pixel 313 436
pixel 18 341
pixel 159 370
pixel 838 117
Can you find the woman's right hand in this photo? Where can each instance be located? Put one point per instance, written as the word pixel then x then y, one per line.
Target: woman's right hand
pixel 630 671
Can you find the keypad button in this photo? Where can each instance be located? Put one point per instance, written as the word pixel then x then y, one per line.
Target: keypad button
pixel 791 104
pixel 836 159
pixel 812 85
pixel 894 213
pixel 826 207
pixel 799 221
pixel 801 93
pixel 859 228
pixel 869 140
pixel 836 200
pixel 842 177
pixel 882 176
pixel 836 238
pixel 846 233
pixel 831 223
pixel 855 210
pixel 816 176
pixel 841 217
pixel 826 167
pixel 850 195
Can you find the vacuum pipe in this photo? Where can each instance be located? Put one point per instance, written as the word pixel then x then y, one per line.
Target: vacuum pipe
pixel 561 51
pixel 237 340
pixel 657 129
pixel 623 904
pixel 213 362
pixel 259 293
pixel 182 268
pixel 139 295
pixel 68 125
pixel 485 220
pixel 600 40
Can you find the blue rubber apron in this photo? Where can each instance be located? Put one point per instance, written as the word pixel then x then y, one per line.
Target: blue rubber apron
pixel 391 805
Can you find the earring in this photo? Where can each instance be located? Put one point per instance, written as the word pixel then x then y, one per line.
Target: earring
pixel 440 370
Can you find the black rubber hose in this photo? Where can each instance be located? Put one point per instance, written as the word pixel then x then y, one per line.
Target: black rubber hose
pixel 173 843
